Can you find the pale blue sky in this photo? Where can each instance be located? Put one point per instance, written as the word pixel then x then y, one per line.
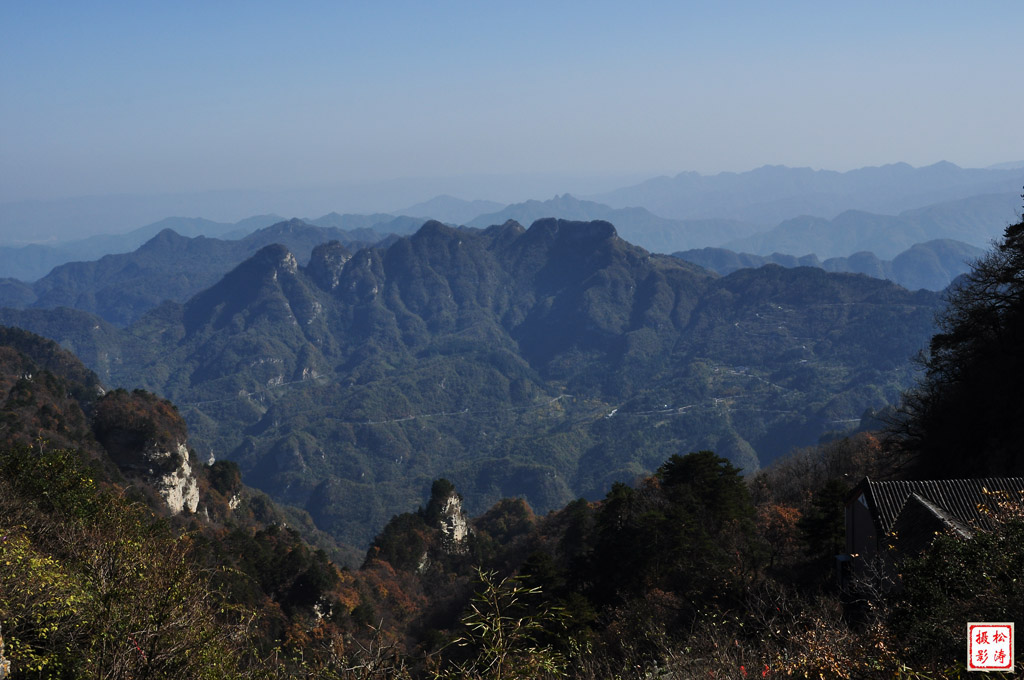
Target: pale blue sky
pixel 153 97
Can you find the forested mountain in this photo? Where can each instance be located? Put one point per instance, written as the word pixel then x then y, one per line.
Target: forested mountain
pixel 932 265
pixel 772 194
pixel 546 362
pixel 108 574
pixel 691 571
pixel 120 288
pixel 134 440
pixel 977 221
pixel 636 225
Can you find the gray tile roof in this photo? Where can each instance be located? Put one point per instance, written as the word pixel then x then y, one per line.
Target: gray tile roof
pixel 959 497
pixel 920 521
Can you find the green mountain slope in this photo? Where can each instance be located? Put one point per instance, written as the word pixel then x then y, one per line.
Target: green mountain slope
pixel 545 362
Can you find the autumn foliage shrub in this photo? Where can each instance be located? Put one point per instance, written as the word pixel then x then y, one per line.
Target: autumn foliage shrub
pixel 138 419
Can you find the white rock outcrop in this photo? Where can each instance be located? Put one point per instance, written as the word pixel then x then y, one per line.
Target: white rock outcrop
pixel 454 525
pixel 177 485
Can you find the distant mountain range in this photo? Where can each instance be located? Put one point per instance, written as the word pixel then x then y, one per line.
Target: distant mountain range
pixel 452 210
pixel 545 363
pixel 28 263
pixel 973 221
pixel 772 194
pixel 636 225
pixel 977 221
pixel 828 213
pixel 371 227
pixel 932 265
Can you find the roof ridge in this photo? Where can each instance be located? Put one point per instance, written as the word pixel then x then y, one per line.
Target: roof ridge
pixel 963 499
pixel 941 513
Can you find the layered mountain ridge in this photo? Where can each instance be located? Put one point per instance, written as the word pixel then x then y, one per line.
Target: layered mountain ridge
pixel 772 194
pixel 977 220
pixel 120 288
pixel 932 265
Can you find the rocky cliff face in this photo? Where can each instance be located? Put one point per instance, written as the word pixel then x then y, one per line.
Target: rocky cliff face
pixel 326 263
pixel 454 525
pixel 166 468
pixel 145 436
pixel 176 485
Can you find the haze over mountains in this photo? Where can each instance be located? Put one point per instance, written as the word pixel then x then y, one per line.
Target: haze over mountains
pixel 772 194
pixel 977 221
pixel 931 265
pixel 923 196
pixel 636 225
pixel 28 263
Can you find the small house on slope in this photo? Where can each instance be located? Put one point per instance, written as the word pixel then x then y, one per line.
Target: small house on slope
pixel 907 515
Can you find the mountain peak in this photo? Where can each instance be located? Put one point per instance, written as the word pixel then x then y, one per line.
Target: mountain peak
pixel 944 166
pixel 508 227
pixel 245 283
pixel 275 255
pixel 433 228
pixel 164 237
pixel 326 263
pixel 267 262
pixel 292 225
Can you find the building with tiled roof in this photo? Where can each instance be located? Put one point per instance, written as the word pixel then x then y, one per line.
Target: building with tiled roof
pixel 907 515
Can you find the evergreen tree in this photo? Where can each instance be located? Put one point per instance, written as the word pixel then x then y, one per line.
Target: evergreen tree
pixel 966 417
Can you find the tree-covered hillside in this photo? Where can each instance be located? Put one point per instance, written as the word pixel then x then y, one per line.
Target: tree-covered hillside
pixel 103 578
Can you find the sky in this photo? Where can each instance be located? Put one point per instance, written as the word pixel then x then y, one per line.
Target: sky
pixel 140 97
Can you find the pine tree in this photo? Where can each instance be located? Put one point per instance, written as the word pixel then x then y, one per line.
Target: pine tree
pixel 966 417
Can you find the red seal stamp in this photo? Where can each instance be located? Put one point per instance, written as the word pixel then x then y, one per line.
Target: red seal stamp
pixel 990 647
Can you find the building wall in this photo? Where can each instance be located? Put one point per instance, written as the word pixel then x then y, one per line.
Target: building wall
pixel 860 529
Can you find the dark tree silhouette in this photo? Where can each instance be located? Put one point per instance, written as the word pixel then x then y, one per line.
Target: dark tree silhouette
pixel 966 417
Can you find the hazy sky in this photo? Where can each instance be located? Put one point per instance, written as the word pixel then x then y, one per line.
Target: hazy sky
pixel 143 97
